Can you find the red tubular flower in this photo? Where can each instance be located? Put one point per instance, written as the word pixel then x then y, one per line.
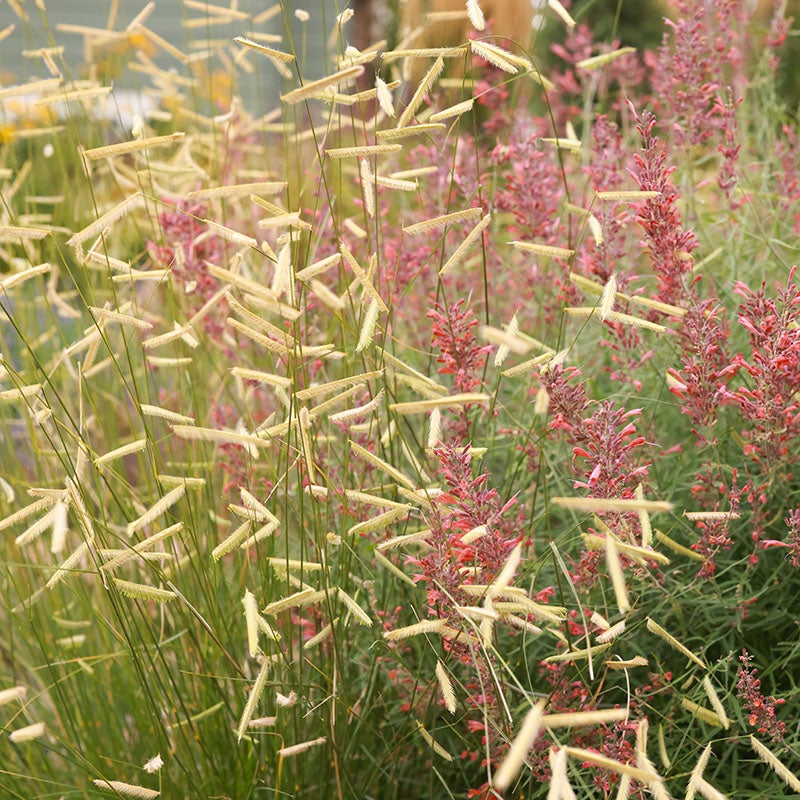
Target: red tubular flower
pixel 186 248
pixel 468 502
pixel 725 110
pixel 606 440
pixel 793 522
pixel 769 402
pixel 761 709
pixel 533 191
pixel 703 53
pixel 668 243
pixel 459 353
pixel 567 399
pixel 715 534
pixel 706 368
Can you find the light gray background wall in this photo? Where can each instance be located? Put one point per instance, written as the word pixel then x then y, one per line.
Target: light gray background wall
pixel 166 21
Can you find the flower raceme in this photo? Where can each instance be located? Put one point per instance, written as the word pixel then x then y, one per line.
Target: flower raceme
pixel 567 398
pixel 606 441
pixel 761 709
pixel 459 354
pixel 705 366
pixel 669 244
pixel 770 404
pixel 467 503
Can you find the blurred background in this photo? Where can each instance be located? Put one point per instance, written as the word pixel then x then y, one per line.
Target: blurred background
pixel 187 27
pixel 194 26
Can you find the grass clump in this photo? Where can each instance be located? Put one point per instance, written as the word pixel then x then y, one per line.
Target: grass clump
pixel 382 442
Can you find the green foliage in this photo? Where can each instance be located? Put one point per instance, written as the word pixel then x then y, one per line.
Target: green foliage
pixel 346 553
